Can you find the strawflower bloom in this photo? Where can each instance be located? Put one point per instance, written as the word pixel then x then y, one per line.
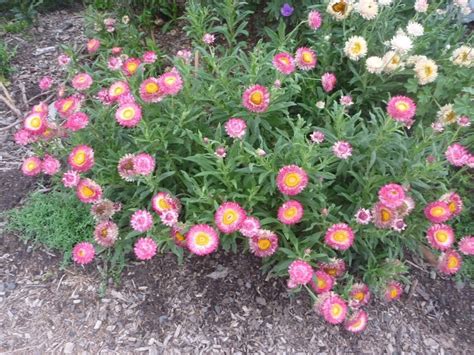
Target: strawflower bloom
pixel 185 54
pixel 449 262
pixel 359 295
pixel 291 212
pixel 126 167
pixel 392 61
pixel 383 215
pixel 463 56
pixel 35 123
pixel 235 128
pixel 45 83
pixel 291 180
pixel 457 155
pixel 328 81
pixel 402 109
pixel 106 233
pixel 163 201
pixel 229 217
pixel 339 236
pixel 250 226
pixel 114 63
pixel 118 89
pixel 334 268
pixel 88 191
pixel 171 82
pixel 421 5
pixel 368 9
pixel 317 137
pixel 334 309
pixel 399 225
pixel 314 20
pixel 178 237
pixel 128 115
pixel 83 253
pixel 446 115
pixel 284 63
pixel 393 291
pixel 375 65
pixel 151 91
pixel 93 45
pixel 440 236
pixel 81 158
pixel 256 98
pixel 437 212
pixel 169 218
pixel 82 81
pixel 300 272
pixel 357 322
pixel 208 38
pixel 426 71
pixel 355 48
pixel 339 9
pixel 466 245
pixel 31 166
pixel 202 239
pixel 77 121
pixel 321 282
pixel 454 202
pixel 70 178
pixel 401 43
pixel 464 121
pixel 363 216
pixel 392 195
pixel 149 57
pixel 342 149
pixel 220 152
pixel 346 100
pixel 67 106
pixel 64 60
pixel 104 209
pixel 286 10
pixel 130 66
pixel 23 137
pixel 141 221
pixel 305 58
pixel 407 206
pixel 264 243
pixel 143 164
pixel 145 248
pixel 50 165
pixel 415 29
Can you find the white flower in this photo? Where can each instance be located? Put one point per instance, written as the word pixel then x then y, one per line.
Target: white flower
pixel 401 43
pixel 463 56
pixel 426 71
pixel 392 61
pixel 374 65
pixel 415 29
pixel 368 9
pixel 320 105
pixel 421 5
pixel 339 9
pixel 355 48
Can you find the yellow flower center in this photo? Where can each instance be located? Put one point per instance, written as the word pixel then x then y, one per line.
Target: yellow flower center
pixel 202 239
pixel 264 244
pixel 118 91
pixel 179 236
pixel 163 204
pixel 81 79
pixel 359 296
pixel 336 310
pixel 393 292
pixel 385 215
pixel 35 122
pixel 340 7
pixel 395 59
pixel 79 158
pixel 438 211
pixel 151 88
pixel 31 166
pixel 428 70
pixel 132 67
pixel 67 105
pixel 402 106
pixel 450 117
pixel 103 233
pixel 256 98
pixel 356 48
pixel 82 253
pixel 292 179
pixel 441 236
pixel 290 212
pixel 229 217
pixel 452 207
pixel 284 60
pixel 170 80
pixel 307 57
pixel 86 191
pixel 340 236
pixel 357 324
pixel 321 283
pixel 453 262
pixel 128 113
pixel 464 56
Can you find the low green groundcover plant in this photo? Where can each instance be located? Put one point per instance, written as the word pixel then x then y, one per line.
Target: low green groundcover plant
pixel 327 149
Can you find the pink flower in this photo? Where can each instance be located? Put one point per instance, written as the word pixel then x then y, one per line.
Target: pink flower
pixel 339 236
pixel 437 212
pixel 114 63
pixel 342 149
pixel 77 121
pixel 457 155
pixel 145 248
pixel 466 245
pixel 116 50
pixel 220 152
pixel 305 58
pixel 163 201
pixel 256 98
pixel 169 218
pixel 50 165
pixel 359 295
pixel 363 216
pixel 317 137
pixel 208 38
pixel 235 128
pixel 31 166
pixel 82 81
pixel 421 5
pixel 83 253
pixel 229 217
pixel 284 63
pixel 277 84
pixel 328 81
pixel 449 262
pixel 321 282
pixel 464 121
pixel 70 178
pixel 202 239
pixel 64 59
pixel 45 83
pixel 334 268
pixel 149 57
pixel 130 66
pixel 392 195
pixel 357 322
pixel 35 123
pixel 402 109
pixel 300 272
pixel 22 137
pixel 393 291
pixel 88 191
pixel 185 54
pixel 67 106
pixel 106 233
pixel 81 158
pixel 333 309
pixel 346 100
pixel 454 202
pixel 178 238
pixel 151 91
pixel 141 221
pixel 399 225
pixel 250 226
pixel 440 236
pixel 291 180
pixel 126 167
pixel 171 82
pixel 143 164
pixel 128 115
pixel 264 243
pixel 383 215
pixel 93 45
pixel 314 20
pixel 118 89
pixel 291 212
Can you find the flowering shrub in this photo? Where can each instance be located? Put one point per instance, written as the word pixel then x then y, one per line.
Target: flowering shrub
pixel 327 150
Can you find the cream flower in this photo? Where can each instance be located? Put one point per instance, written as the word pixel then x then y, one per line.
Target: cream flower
pixel 368 9
pixel 426 71
pixel 392 61
pixel 339 9
pixel 463 56
pixel 355 48
pixel 374 65
pixel 401 43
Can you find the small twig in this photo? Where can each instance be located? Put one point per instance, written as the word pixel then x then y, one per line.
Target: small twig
pixel 60 281
pixel 23 93
pixel 11 106
pixel 418 267
pixel 6 128
pixel 7 94
pixel 412 289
